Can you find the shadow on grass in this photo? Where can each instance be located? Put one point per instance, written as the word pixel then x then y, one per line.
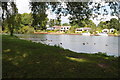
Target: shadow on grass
pixel 24 59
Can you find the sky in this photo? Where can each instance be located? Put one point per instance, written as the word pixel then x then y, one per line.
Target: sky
pixel 23 7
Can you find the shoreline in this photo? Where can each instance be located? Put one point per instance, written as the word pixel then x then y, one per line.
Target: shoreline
pixel 36 58
pixel 71 34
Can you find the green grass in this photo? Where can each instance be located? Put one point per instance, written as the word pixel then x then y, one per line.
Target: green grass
pixel 26 59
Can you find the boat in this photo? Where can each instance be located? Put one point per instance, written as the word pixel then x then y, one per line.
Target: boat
pixel 102 34
pixel 86 34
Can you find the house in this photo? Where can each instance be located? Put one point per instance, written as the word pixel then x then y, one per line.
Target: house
pixel 112 30
pixel 56 27
pixel 64 28
pixel 105 31
pixel 50 28
pixel 61 28
pixel 80 30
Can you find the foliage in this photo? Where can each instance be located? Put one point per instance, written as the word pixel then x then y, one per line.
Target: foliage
pixel 26 19
pixel 26 29
pixel 113 23
pixel 12 20
pixel 65 24
pixel 39 15
pixel 54 22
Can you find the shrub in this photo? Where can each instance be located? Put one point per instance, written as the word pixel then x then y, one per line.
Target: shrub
pixel 101 54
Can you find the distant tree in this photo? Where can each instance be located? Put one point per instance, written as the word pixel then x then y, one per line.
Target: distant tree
pixel 51 22
pixel 101 24
pixel 54 22
pixel 114 23
pixel 26 19
pixel 66 24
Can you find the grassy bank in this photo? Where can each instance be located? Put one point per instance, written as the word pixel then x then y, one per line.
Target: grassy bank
pixel 25 59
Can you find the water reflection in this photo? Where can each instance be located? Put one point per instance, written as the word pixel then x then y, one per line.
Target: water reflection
pixel 77 43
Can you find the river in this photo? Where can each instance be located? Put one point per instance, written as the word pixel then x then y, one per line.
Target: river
pixel 78 43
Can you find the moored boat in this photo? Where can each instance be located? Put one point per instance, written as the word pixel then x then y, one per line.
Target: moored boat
pixel 86 34
pixel 102 34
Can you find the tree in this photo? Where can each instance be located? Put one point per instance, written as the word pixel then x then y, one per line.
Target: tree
pixel 9 11
pixel 78 10
pixel 51 22
pixel 66 24
pixel 39 15
pixel 26 19
pixel 102 25
pixel 114 23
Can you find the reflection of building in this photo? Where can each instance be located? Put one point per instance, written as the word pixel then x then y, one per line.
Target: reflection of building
pixel 82 29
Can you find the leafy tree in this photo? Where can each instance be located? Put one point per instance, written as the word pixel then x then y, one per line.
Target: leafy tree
pixel 26 19
pixel 39 14
pixel 51 22
pixel 102 25
pixel 114 23
pixel 9 11
pixel 78 10
pixel 66 24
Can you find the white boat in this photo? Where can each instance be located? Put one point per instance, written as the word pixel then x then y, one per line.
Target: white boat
pixel 102 34
pixel 86 34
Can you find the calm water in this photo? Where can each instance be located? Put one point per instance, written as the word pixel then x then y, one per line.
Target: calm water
pixel 77 43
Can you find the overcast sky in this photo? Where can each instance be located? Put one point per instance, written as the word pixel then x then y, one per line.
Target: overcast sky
pixel 23 7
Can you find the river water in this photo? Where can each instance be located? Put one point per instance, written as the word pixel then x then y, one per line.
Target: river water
pixel 78 43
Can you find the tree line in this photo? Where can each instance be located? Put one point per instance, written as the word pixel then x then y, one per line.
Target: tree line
pixel 12 21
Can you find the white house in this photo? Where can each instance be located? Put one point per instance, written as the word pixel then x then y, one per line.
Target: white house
pixel 105 30
pixel 50 28
pixel 87 29
pixel 64 28
pixel 112 30
pixel 108 30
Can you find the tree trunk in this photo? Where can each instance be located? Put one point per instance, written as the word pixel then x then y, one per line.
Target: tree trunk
pixel 11 32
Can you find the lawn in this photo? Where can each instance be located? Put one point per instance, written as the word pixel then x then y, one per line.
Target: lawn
pixel 26 59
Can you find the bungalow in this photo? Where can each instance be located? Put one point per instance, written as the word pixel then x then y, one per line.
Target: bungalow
pixel 82 29
pixel 64 28
pixel 61 28
pixel 105 31
pixel 108 30
pixel 56 27
pixel 112 30
pixel 50 28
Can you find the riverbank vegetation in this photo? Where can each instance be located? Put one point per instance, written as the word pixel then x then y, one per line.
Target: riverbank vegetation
pixel 26 59
pixel 37 20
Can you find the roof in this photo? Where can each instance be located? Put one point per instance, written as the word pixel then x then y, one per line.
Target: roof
pixel 65 26
pixel 85 28
pixel 112 28
pixel 58 27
